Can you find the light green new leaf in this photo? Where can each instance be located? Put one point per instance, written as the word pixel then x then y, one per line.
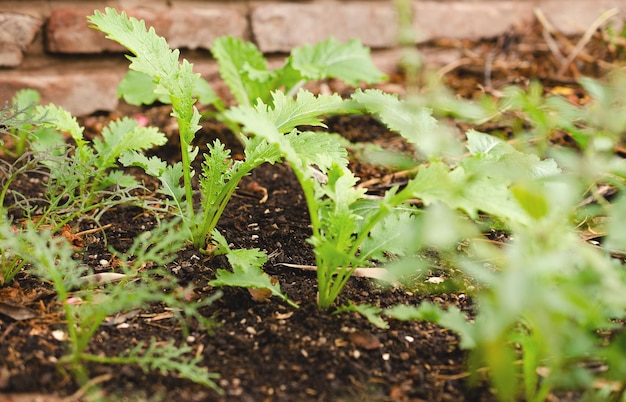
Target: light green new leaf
pixel 62 120
pixel 350 62
pixel 390 236
pixel 271 122
pixel 258 151
pixel 469 192
pixel 170 176
pixel 125 135
pixel 24 99
pixel 152 53
pixel 139 89
pixel 495 157
pixel 243 68
pixel 154 58
pixel 216 171
pixel 530 197
pixel 319 149
pixel 153 166
pixel 288 113
pixel 258 121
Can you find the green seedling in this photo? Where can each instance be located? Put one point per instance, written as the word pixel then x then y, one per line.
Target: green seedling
pixel 87 304
pixel 22 126
pixel 245 71
pixel 79 182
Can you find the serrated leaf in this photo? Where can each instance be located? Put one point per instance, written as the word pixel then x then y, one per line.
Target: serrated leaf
pixel 118 178
pixel 271 122
pixel 258 151
pixel 139 89
pixel 154 58
pixel 152 53
pixel 258 121
pixel 247 273
pixel 153 166
pixel 494 157
pixel 24 99
pixel 170 181
pixel 243 68
pixel 306 109
pixel 389 236
pixel 350 62
pixel 417 125
pixel 468 192
pixel 215 171
pixel 62 120
pixel 481 143
pixel 319 149
pixel 124 135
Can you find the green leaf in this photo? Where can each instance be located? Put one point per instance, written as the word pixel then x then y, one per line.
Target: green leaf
pixel 216 171
pixel 154 58
pixel 469 192
pixel 390 236
pixel 288 113
pixel 153 166
pixel 416 124
pixel 25 99
pixel 243 68
pixel 170 176
pixel 530 197
pixel 258 150
pixel 350 62
pixel 152 53
pixel 368 311
pixel 139 89
pixel 62 120
pixel 247 273
pixel 124 135
pixel 319 149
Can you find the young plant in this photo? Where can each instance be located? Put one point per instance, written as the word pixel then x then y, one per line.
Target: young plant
pixel 546 300
pixel 245 71
pixel 87 305
pixel 80 182
pixel 22 126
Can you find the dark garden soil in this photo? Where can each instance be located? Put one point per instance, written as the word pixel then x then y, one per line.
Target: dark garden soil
pixel 269 351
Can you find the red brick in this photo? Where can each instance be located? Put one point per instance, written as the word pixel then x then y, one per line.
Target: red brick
pixel 79 91
pixel 17 31
pixel 190 27
pixel 279 27
pixel 468 19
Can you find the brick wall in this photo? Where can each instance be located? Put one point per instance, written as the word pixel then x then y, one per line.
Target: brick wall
pixel 47 45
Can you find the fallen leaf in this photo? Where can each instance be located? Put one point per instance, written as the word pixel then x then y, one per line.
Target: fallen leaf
pixel 365 340
pixel 18 313
pixel 74 240
pixel 262 295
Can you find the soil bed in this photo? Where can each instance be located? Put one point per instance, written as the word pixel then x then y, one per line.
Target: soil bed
pixel 263 351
